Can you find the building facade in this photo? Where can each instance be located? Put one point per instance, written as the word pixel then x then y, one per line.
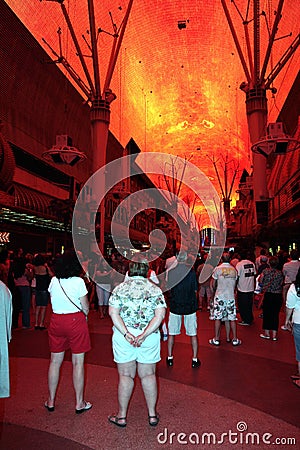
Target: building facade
pixel 280 229
pixel 38 107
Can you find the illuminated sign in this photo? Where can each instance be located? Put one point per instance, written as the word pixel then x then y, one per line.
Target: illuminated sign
pixel 4 237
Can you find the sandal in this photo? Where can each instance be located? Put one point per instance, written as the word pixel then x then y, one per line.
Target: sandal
pixel 116 420
pixel 295 377
pixel 296 383
pixel 214 342
pixel 50 408
pixel 153 420
pixel 87 406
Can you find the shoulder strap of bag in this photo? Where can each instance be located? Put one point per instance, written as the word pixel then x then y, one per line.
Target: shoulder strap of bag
pixel 81 310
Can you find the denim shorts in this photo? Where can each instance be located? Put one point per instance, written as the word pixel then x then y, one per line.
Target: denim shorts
pixel 190 324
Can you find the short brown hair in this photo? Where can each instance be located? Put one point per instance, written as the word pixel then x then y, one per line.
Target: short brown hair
pixel 226 257
pixel 273 262
pixel 139 266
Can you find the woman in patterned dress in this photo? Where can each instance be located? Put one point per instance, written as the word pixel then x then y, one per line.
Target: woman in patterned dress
pixel 271 282
pixel 137 308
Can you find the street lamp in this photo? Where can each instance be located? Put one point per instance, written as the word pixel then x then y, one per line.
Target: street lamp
pixel 63 152
pixel 275 141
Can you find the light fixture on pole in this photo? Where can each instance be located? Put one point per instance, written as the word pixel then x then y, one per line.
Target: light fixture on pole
pixel 63 152
pixel 276 141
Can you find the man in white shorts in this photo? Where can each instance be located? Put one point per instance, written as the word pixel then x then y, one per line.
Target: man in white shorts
pixel 183 302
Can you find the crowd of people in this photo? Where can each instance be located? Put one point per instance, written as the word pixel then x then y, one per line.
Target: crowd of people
pixel 150 298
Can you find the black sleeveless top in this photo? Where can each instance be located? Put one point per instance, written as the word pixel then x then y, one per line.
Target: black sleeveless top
pixel 42 282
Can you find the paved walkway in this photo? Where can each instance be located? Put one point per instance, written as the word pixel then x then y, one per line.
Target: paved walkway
pixel 240 398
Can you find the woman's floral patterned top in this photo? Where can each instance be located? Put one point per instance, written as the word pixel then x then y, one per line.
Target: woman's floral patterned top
pixel 137 298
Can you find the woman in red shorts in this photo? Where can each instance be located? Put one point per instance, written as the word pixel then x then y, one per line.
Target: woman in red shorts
pixel 68 326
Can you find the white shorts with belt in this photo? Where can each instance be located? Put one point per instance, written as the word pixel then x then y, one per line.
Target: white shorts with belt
pixel 147 353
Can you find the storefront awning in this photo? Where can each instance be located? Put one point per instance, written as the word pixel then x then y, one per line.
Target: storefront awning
pixel 31 200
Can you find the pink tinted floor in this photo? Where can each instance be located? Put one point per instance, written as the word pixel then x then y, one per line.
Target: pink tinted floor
pixel 240 397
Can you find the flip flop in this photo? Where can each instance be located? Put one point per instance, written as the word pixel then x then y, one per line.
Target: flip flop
pixel 153 420
pixel 87 406
pixel 116 421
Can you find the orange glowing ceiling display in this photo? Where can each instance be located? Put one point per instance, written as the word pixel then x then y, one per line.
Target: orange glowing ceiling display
pixel 178 74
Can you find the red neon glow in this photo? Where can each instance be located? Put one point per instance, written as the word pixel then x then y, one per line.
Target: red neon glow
pixel 178 74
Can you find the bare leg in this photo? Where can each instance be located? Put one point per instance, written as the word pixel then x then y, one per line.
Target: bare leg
pixel 78 378
pixel 274 334
pixel 171 340
pixel 227 329
pixel 199 298
pixel 217 329
pixel 233 329
pixel 33 301
pixel 127 373
pixel 37 313
pixel 201 303
pixel 147 375
pixel 210 303
pixel 43 313
pixel 101 312
pixel 194 342
pixel 53 375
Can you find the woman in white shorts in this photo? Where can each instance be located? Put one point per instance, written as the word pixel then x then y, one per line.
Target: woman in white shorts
pixel 137 308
